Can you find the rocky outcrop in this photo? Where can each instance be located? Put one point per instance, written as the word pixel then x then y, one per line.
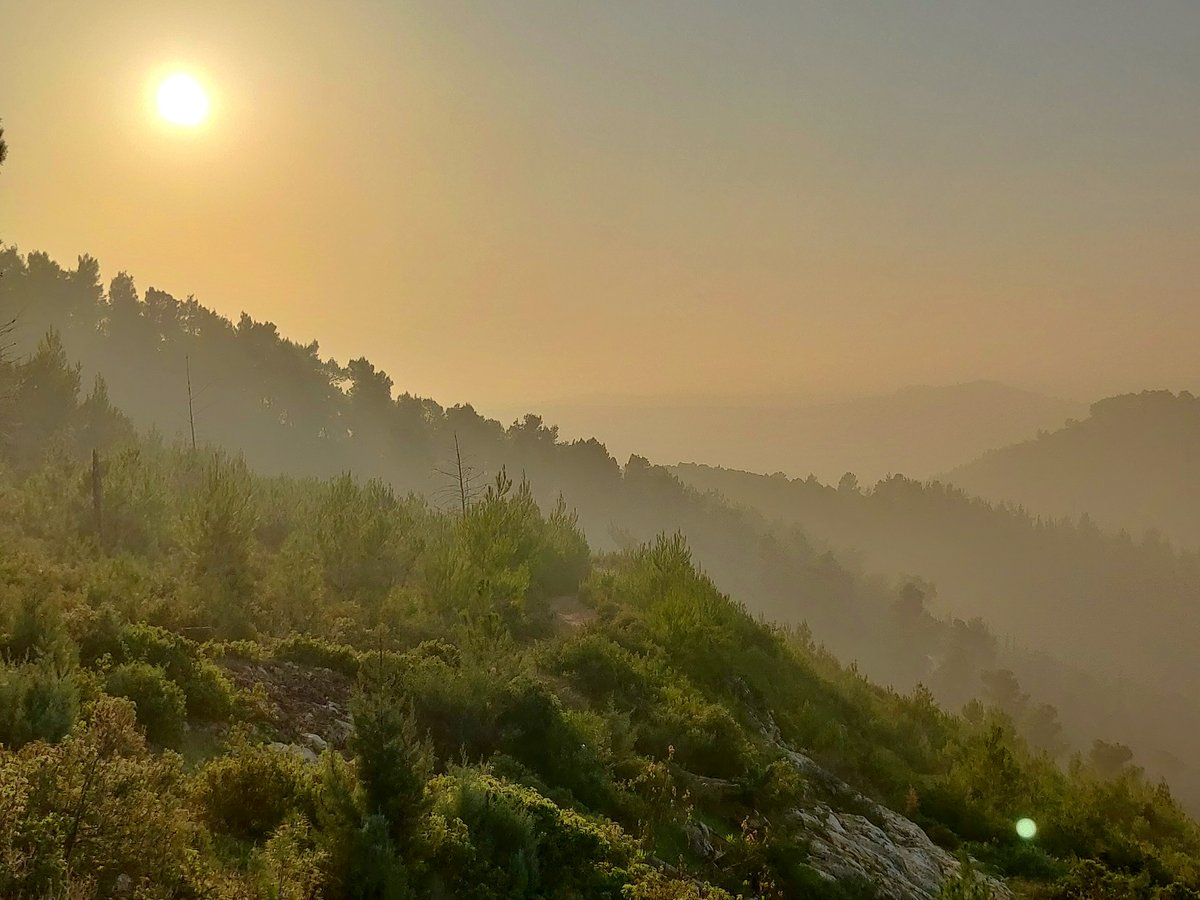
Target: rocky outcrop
pixel 877 844
pixel 861 838
pixel 307 706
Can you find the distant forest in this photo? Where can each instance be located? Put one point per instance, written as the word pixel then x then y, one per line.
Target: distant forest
pixel 1047 582
pixel 291 411
pixel 1133 464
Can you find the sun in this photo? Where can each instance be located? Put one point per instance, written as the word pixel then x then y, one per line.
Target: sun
pixel 182 101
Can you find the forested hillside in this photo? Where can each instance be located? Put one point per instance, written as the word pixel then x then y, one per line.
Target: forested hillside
pixel 216 683
pixel 1133 465
pixel 1124 610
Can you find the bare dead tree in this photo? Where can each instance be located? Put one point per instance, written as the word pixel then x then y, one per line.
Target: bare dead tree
pixel 6 342
pixel 187 362
pixel 6 384
pixel 465 481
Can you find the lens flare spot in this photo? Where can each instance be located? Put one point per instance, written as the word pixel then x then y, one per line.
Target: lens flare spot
pixel 1027 829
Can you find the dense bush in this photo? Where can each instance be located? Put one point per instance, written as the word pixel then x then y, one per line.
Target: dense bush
pixel 161 706
pixel 250 791
pixel 208 693
pixel 37 703
pixel 522 844
pixel 394 761
pixel 77 817
pixel 307 650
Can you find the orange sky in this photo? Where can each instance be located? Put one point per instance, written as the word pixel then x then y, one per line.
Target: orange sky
pixel 518 201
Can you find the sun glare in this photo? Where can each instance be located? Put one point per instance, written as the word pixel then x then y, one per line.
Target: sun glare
pixel 182 101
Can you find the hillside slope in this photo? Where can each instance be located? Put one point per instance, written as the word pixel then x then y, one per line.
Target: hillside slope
pixel 224 685
pixel 1132 464
pixel 1121 610
pixel 292 412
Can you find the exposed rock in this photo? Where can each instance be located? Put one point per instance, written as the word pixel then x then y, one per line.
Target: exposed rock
pixel 701 840
pixel 712 789
pixel 861 838
pixel 305 754
pixel 887 849
pixel 302 701
pixel 315 742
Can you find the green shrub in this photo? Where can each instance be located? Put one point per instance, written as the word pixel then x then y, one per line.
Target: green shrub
pixel 563 559
pixel 943 803
pixel 309 651
pixel 37 703
pixel 99 635
pixel 1091 880
pixel 158 646
pixel 456 706
pixel 292 863
pixel 778 785
pixel 1018 858
pixel 653 885
pixel 161 705
pixel 363 859
pixel 37 629
pixel 706 738
pixel 373 867
pixel 522 844
pixel 394 762
pixel 79 817
pixel 537 730
pixel 502 832
pixel 208 693
pixel 252 790
pixel 601 668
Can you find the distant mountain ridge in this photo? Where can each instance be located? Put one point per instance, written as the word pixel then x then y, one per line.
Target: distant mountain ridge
pixel 1132 464
pixel 918 430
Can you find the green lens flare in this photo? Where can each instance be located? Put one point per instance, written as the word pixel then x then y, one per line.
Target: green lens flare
pixel 1026 828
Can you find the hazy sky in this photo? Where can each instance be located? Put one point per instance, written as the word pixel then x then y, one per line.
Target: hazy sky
pixel 523 200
